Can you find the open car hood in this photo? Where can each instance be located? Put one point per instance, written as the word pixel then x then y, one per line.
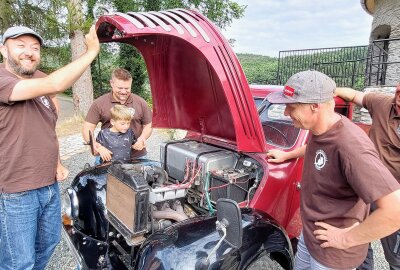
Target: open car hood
pixel 196 81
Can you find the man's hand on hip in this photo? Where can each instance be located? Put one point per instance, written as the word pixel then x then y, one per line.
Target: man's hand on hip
pixel 332 236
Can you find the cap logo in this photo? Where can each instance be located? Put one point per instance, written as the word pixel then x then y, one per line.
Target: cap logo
pixel 288 91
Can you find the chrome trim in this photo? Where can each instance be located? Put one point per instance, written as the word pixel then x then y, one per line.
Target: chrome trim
pixel 181 21
pixel 168 19
pixel 75 254
pixel 130 19
pixel 143 18
pixel 185 14
pixel 74 202
pixel 157 20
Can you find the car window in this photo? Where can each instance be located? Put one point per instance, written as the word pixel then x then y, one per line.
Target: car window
pixel 278 128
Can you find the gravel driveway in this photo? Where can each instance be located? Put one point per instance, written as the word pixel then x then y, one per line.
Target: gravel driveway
pixel 62 258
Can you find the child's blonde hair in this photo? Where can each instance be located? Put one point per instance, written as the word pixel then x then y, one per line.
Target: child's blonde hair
pixel 121 112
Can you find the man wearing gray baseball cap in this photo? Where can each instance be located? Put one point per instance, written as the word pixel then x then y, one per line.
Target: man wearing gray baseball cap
pixel 16 31
pixel 342 175
pixel 30 223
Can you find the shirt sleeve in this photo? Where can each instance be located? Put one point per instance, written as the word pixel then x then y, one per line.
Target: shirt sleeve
pixel 100 137
pixel 147 114
pixel 93 116
pixel 132 137
pixel 7 85
pixel 369 178
pixel 372 100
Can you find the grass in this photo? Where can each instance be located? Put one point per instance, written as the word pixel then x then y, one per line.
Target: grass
pixel 69 126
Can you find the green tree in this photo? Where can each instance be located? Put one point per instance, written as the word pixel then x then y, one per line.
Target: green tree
pixel 57 20
pixel 221 12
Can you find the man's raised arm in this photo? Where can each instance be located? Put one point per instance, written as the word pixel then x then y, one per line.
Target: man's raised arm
pixel 61 79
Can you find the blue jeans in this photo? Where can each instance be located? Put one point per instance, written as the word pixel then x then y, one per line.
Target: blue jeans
pixel 304 261
pixel 30 227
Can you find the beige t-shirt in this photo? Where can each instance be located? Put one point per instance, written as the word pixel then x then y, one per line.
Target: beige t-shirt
pixel 100 112
pixel 385 130
pixel 28 142
pixel 342 175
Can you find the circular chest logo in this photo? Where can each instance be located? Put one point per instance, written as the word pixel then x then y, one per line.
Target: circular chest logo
pixel 45 102
pixel 320 160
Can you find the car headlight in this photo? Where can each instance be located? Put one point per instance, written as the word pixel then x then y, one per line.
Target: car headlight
pixel 70 205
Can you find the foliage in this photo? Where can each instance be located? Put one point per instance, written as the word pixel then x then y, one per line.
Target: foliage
pixel 259 69
pixel 345 65
pixel 222 12
pixel 131 60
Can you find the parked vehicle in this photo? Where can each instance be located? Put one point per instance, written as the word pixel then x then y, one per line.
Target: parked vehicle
pixel 182 213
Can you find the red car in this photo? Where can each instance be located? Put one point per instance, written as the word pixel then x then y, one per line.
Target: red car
pixel 182 213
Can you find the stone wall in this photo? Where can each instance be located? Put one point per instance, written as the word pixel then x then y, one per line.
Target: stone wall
pixel 387 13
pixel 361 114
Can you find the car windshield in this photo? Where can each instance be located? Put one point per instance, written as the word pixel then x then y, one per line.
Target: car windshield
pixel 278 128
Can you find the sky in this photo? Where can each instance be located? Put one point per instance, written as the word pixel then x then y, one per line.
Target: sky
pixel 269 26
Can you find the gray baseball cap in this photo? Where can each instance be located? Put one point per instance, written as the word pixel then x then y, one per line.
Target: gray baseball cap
pixel 308 86
pixel 16 31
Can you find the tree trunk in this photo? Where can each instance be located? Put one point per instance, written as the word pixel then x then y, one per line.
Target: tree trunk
pixel 82 90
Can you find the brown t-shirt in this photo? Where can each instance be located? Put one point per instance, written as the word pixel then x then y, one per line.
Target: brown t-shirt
pixel 100 112
pixel 29 146
pixel 342 175
pixel 385 129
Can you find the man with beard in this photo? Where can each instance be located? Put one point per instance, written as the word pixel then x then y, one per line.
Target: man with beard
pixel 121 83
pixel 30 218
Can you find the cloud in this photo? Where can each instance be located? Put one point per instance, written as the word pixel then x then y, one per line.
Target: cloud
pixel 269 26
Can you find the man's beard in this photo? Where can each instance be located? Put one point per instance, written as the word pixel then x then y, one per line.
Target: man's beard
pixel 20 70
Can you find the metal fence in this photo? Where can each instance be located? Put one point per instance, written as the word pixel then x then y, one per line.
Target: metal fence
pixel 346 65
pixel 383 63
pixel 377 64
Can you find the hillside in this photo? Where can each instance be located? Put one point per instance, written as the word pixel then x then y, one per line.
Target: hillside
pixel 259 69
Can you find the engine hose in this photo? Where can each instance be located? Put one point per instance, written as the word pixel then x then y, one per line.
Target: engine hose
pixel 207 183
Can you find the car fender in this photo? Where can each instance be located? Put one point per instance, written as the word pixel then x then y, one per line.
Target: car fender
pixel 183 244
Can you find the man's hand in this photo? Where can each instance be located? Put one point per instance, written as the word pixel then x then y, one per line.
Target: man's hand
pixel 62 172
pixel 332 236
pixel 140 144
pixel 92 41
pixel 276 156
pixel 104 153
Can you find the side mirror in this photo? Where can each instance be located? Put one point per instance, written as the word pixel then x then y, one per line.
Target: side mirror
pixel 228 211
pixel 229 225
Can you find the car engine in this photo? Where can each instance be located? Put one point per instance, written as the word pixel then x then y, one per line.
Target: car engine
pixel 143 198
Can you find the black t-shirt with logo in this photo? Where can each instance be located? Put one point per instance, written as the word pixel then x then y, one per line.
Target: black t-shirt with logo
pixel 342 174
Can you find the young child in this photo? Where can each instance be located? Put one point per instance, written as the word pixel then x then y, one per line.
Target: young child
pixel 115 143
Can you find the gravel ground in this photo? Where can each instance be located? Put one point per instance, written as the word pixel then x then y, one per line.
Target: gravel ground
pixel 62 258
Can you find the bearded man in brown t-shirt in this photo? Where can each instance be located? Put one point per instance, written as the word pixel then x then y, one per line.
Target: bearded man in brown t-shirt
pixel 121 83
pixel 385 134
pixel 341 177
pixel 30 223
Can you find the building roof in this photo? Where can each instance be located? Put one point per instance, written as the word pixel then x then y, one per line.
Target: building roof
pixel 368 6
